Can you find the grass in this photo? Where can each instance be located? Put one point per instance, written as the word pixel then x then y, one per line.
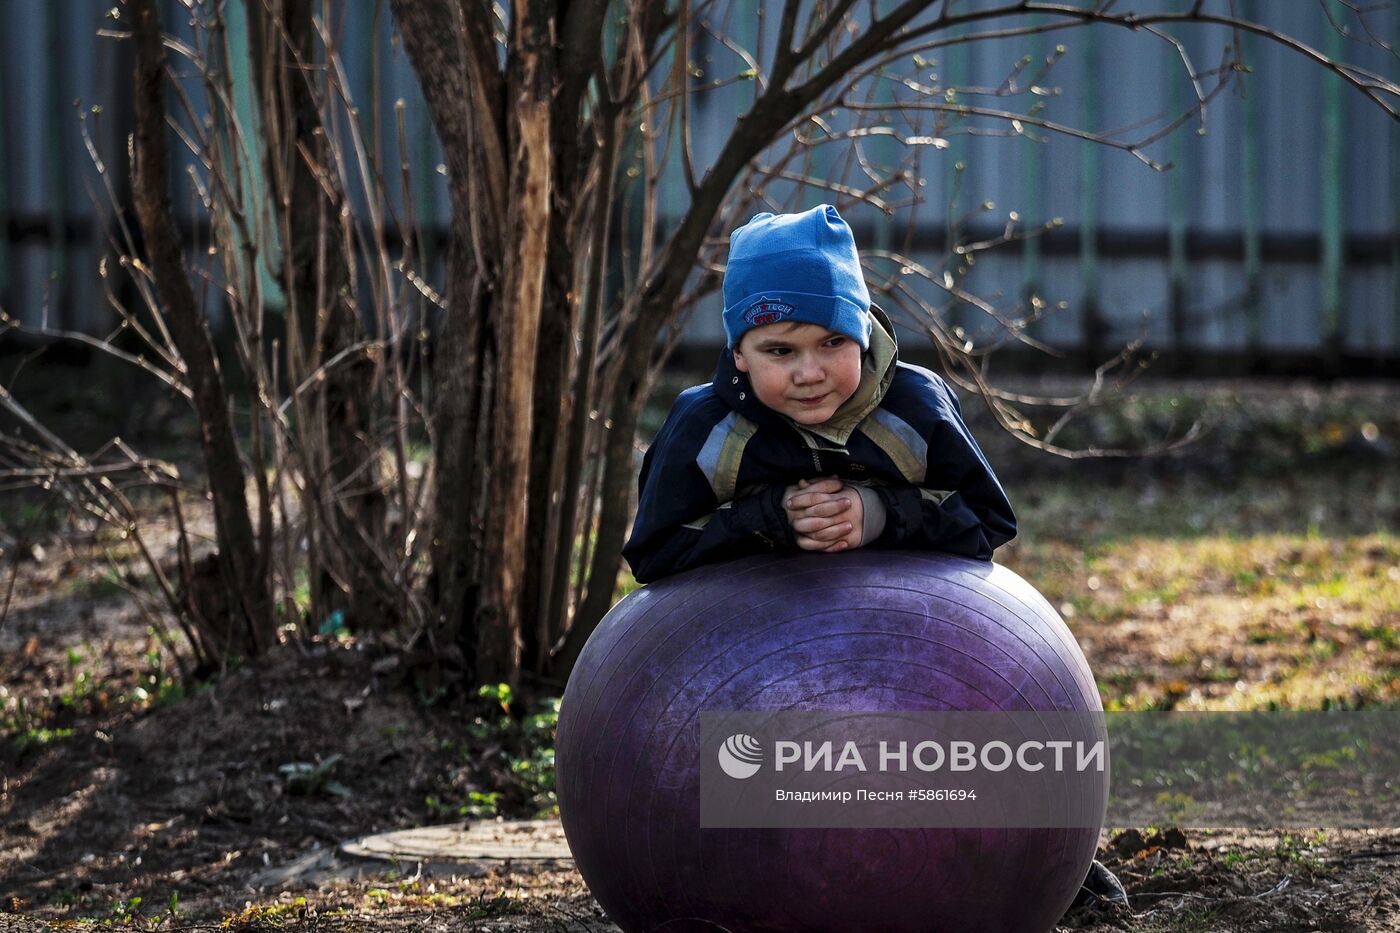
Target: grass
pixel 1189 595
pixel 1190 919
pixel 32 722
pixel 103 587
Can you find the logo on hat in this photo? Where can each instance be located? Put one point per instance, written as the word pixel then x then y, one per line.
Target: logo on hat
pixel 766 311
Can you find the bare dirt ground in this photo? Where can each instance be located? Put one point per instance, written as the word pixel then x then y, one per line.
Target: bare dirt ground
pixel 127 802
pixel 187 806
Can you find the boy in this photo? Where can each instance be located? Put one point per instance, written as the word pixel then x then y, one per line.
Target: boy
pixel 812 435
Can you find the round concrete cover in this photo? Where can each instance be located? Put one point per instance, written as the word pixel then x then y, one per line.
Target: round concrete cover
pixel 466 842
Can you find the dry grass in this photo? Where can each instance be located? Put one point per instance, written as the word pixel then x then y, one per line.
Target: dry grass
pixel 1270 594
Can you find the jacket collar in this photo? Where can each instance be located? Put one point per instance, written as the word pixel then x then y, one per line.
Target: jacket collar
pixel 877 372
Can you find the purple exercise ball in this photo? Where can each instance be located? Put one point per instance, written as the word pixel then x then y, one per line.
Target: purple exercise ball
pixel 865 631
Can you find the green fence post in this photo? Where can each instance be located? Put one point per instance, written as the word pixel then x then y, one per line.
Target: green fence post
pixel 1249 157
pixel 255 193
pixel 1395 218
pixel 1177 219
pixel 55 163
pixel 375 135
pixel 1032 188
pixel 1333 260
pixel 424 180
pixel 1091 326
pixel 5 297
pixel 884 152
pixel 956 68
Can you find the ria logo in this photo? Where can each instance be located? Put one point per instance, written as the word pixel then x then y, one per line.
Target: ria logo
pixel 740 756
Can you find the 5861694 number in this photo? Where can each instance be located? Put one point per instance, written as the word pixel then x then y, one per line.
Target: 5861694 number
pixel 941 793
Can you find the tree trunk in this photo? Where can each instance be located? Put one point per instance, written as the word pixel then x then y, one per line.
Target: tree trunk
pixel 551 404
pixel 564 363
pixel 241 565
pixel 496 132
pixel 530 79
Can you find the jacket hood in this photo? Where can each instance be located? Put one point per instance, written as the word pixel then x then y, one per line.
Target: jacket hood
pixel 877 372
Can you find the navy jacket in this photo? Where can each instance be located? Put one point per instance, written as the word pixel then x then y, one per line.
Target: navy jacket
pixel 712 481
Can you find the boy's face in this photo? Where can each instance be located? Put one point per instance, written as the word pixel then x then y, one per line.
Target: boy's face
pixel 801 370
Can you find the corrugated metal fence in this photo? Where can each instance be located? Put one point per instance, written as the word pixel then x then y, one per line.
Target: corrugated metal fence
pixel 1278 232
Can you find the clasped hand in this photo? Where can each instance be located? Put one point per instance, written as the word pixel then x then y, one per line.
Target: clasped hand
pixel 825 513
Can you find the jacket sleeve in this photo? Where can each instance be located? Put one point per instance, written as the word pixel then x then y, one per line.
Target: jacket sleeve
pixel 681 524
pixel 960 507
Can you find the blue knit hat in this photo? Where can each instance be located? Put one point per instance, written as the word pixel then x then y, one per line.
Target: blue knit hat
pixel 796 267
